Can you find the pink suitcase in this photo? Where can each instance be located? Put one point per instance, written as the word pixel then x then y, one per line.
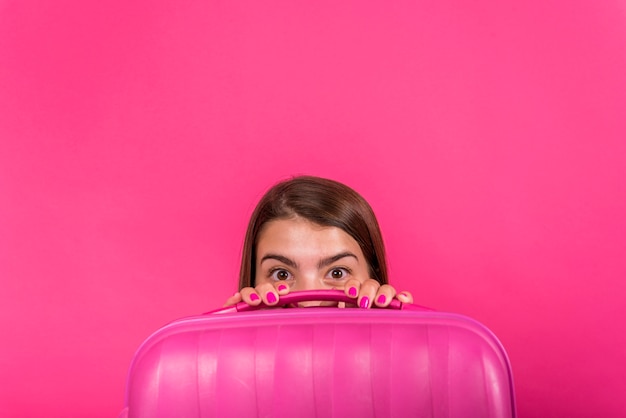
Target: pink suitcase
pixel 321 362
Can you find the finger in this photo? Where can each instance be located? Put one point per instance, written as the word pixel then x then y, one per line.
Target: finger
pixel 384 295
pixel 268 293
pixel 233 300
pixel 250 296
pixel 282 288
pixel 352 287
pixel 405 297
pixel 367 293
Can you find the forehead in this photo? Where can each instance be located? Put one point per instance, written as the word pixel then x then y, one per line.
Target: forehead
pixel 297 236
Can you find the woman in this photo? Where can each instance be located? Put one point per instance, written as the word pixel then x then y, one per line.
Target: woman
pixel 311 233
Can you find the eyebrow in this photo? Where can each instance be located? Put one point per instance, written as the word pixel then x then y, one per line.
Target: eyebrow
pixel 280 258
pixel 323 262
pixel 330 260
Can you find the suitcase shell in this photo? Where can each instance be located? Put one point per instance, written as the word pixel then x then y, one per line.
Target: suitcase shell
pixel 321 362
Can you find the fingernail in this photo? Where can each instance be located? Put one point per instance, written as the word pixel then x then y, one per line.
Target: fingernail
pixel 352 292
pixel 381 299
pixel 282 287
pixel 254 296
pixel 365 302
pixel 271 298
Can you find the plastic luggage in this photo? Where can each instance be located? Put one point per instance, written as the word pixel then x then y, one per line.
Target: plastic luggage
pixel 404 361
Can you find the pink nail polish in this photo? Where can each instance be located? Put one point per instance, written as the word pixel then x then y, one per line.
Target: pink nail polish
pixel 271 298
pixel 282 287
pixel 381 299
pixel 352 292
pixel 365 302
pixel 254 297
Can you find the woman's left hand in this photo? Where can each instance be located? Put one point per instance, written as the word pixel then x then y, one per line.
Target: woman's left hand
pixel 371 292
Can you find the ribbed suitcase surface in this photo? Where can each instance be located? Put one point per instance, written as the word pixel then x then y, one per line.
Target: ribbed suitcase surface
pixel 321 362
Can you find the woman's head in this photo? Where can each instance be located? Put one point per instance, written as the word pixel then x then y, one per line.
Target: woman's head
pixel 322 202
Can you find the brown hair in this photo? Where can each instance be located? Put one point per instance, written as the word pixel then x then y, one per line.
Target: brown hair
pixel 324 202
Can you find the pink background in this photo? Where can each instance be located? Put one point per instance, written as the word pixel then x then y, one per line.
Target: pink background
pixel 136 137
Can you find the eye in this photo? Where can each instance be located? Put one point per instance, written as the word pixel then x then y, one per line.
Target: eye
pixel 280 275
pixel 338 273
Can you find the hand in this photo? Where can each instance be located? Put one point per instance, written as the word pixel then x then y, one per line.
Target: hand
pixel 266 293
pixel 365 294
pixel 371 292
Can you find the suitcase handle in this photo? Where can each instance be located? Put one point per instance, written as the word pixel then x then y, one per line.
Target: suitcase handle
pixel 315 295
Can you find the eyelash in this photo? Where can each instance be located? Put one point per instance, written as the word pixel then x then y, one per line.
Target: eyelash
pixel 346 272
pixel 273 272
